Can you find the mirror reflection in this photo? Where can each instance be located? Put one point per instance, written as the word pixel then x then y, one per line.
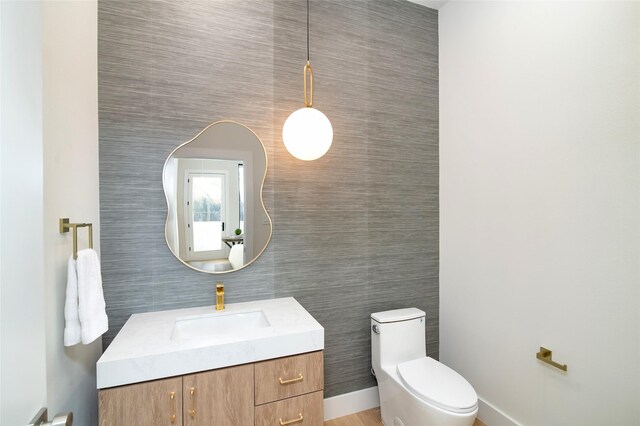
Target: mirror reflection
pixel 216 219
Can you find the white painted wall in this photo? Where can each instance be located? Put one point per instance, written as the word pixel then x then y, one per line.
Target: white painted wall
pixel 540 206
pixel 22 329
pixel 70 190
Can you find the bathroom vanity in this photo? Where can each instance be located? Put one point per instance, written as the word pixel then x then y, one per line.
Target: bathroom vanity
pixel 253 363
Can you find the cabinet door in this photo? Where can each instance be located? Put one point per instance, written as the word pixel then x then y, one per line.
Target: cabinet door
pixel 155 403
pixel 219 397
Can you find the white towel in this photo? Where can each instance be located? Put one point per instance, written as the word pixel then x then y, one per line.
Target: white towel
pixel 85 283
pixel 91 306
pixel 71 320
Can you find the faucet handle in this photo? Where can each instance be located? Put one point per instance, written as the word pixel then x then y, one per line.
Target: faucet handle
pixel 219 287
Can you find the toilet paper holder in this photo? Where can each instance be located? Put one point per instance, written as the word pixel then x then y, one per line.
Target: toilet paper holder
pixel 544 355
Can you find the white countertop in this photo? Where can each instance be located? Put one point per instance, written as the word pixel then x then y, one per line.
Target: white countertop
pixel 143 349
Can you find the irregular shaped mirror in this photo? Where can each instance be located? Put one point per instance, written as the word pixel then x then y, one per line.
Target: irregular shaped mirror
pixel 216 219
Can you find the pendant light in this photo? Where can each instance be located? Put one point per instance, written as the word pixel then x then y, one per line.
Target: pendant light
pixel 307 134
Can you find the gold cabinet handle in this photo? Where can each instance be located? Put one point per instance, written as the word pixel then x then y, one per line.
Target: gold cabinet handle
pixel 173 407
pixel 286 382
pixel 290 422
pixel 192 409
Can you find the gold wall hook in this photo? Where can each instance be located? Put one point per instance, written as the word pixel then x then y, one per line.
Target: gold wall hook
pixel 544 355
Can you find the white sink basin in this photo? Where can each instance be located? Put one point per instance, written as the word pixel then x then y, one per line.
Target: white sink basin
pixel 195 327
pixel 155 345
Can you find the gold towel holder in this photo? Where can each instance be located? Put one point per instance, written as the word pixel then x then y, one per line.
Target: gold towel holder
pixel 65 226
pixel 545 356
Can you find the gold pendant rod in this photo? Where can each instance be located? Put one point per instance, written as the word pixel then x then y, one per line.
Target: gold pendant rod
pixel 307 71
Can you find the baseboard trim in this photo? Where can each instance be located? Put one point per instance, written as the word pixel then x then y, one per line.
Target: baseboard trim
pixel 352 402
pixel 365 399
pixel 491 416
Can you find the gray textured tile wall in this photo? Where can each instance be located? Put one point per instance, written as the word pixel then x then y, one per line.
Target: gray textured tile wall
pixel 354 232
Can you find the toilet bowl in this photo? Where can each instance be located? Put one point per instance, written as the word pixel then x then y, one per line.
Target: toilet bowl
pixel 416 390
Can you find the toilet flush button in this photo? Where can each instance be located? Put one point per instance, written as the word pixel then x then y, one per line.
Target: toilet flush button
pixel 375 329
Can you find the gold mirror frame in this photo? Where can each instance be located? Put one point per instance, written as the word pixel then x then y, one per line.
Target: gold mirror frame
pixel 264 209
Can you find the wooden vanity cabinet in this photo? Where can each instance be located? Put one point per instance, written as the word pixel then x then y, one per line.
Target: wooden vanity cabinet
pixel 276 392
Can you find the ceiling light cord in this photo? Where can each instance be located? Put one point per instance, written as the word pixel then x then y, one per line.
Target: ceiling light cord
pixel 307 30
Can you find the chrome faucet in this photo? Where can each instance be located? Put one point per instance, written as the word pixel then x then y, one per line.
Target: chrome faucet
pixel 219 296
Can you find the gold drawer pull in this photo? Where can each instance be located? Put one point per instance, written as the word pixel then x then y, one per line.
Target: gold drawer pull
pixel 192 410
pixel 286 382
pixel 173 407
pixel 289 422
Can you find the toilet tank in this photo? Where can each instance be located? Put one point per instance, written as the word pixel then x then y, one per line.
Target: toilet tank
pixel 400 337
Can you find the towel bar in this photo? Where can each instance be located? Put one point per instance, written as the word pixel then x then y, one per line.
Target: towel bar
pixel 65 226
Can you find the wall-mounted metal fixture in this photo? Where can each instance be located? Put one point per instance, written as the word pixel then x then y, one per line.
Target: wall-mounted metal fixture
pixel 545 356
pixel 65 226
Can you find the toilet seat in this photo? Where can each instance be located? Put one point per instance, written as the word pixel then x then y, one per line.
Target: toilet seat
pixel 438 385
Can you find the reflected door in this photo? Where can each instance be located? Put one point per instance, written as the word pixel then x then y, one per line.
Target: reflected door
pixel 206 212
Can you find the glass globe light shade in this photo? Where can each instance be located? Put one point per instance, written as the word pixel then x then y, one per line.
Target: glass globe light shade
pixel 307 134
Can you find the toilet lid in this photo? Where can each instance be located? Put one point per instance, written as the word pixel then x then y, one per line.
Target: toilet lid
pixel 437 384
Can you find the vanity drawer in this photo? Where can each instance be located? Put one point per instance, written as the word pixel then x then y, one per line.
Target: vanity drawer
pixel 305 410
pixel 286 377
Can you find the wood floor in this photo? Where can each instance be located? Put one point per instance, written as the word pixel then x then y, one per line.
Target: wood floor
pixel 363 418
pixel 367 418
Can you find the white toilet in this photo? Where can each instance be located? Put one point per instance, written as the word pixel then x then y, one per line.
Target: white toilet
pixel 416 390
